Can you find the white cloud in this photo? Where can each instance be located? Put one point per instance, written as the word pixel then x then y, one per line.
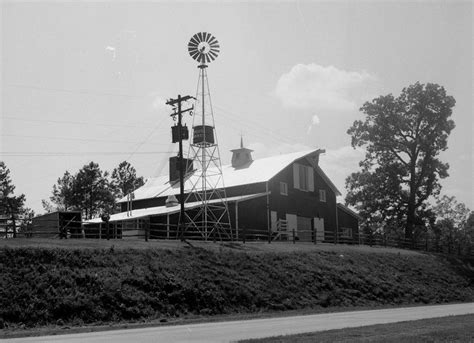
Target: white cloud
pixel 312 86
pixel 159 104
pixel 314 121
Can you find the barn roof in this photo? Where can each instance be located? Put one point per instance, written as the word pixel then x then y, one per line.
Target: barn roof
pixel 260 170
pixel 162 210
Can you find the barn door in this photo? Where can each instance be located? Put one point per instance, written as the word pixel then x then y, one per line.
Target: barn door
pixel 292 223
pixel 274 220
pixel 319 227
pixel 304 229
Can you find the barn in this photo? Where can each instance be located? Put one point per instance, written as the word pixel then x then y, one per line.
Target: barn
pixel 284 197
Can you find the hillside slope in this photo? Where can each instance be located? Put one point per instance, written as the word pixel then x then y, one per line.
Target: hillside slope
pixel 63 286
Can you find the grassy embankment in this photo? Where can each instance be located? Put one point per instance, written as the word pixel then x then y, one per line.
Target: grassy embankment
pixel 68 286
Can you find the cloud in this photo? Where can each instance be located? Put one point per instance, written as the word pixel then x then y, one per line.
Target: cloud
pixel 159 104
pixel 315 87
pixel 314 121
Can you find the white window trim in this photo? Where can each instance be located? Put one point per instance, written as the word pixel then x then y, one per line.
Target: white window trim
pixel 322 195
pixel 283 188
pixel 345 230
pixel 304 181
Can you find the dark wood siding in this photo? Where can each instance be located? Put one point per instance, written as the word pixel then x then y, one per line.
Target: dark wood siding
pixel 348 220
pixel 230 192
pixel 304 203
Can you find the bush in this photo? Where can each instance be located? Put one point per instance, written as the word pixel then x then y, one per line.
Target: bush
pixel 47 287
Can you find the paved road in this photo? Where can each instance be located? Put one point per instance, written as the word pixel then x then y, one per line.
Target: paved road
pixel 244 329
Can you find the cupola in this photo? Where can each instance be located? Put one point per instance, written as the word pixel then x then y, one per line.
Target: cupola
pixel 242 157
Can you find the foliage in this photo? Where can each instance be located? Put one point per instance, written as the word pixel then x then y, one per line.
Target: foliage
pixel 452 230
pixel 403 137
pixel 92 191
pixel 63 193
pixel 42 286
pixel 11 206
pixel 125 180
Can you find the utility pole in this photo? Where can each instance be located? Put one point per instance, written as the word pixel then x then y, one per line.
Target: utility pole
pixel 180 133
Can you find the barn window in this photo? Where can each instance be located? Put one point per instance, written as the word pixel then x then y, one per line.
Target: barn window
pixel 322 195
pixel 346 232
pixel 283 188
pixel 303 177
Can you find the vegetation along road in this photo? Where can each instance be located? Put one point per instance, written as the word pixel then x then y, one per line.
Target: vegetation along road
pixel 257 328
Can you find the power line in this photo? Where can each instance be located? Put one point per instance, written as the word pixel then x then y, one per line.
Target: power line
pixel 76 91
pixel 74 122
pixel 78 139
pixel 69 153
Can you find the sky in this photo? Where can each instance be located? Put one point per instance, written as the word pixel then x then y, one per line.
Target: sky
pixel 88 81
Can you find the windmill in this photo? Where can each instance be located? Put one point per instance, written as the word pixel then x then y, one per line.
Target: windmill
pixel 211 219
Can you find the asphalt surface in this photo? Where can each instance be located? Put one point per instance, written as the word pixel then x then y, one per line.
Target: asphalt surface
pixel 257 328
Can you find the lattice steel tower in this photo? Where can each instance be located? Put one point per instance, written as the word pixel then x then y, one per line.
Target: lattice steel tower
pixel 211 219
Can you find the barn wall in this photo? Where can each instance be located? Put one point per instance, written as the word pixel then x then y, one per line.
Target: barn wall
pixel 304 203
pixel 347 220
pixel 230 192
pixel 252 218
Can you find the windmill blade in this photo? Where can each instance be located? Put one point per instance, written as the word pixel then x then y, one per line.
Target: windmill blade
pixel 200 37
pixel 210 47
pixel 196 55
pixel 213 40
pixel 209 38
pixel 194 40
pixel 194 52
pixel 213 55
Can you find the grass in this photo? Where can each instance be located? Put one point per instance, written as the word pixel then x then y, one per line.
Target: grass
pixel 446 329
pixel 82 282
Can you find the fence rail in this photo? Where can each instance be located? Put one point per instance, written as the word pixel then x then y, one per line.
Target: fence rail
pixel 50 228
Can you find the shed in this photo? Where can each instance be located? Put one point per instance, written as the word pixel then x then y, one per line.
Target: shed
pixel 51 225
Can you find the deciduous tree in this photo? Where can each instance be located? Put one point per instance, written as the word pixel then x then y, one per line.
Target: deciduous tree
pixel 403 137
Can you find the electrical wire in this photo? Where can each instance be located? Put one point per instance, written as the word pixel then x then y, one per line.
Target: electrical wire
pixel 75 122
pixel 76 91
pixel 78 139
pixel 69 153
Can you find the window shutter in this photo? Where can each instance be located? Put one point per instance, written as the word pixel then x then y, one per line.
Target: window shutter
pixel 296 176
pixel 310 179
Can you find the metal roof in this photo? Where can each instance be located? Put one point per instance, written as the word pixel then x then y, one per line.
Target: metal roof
pixel 261 170
pixel 161 210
